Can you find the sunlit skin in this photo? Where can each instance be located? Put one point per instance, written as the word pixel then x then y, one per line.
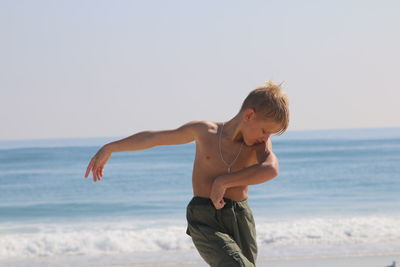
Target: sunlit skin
pixel 253 132
pixel 255 164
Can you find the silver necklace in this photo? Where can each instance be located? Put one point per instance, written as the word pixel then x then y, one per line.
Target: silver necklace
pixel 220 151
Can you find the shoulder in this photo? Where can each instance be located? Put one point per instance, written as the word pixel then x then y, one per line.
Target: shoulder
pixel 264 147
pixel 200 128
pixel 198 125
pixel 267 147
pixel 263 150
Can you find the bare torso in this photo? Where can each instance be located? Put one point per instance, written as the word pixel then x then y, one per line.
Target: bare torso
pixel 208 163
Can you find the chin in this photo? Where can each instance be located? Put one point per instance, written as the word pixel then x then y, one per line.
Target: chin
pixel 246 144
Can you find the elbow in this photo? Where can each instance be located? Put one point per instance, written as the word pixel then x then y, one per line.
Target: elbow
pixel 271 167
pixel 271 171
pixel 274 171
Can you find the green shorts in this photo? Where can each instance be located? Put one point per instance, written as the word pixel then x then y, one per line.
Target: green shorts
pixel 224 237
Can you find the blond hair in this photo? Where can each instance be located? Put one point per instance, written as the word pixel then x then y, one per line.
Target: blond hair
pixel 269 102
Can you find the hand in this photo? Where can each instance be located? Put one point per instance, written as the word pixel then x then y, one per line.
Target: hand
pixel 217 194
pixel 97 163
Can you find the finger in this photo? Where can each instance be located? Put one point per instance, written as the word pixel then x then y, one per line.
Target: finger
pixel 89 167
pixel 94 174
pixel 216 205
pixel 99 173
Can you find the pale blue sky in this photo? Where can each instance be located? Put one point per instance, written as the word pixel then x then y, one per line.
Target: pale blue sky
pixel 112 68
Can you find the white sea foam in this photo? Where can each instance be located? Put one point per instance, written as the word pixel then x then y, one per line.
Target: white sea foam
pixel 323 235
pixel 90 238
pixel 330 230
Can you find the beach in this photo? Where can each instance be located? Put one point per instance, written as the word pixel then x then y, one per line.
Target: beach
pixel 333 204
pixel 350 261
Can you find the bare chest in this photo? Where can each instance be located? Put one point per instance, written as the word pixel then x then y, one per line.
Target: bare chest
pixel 213 159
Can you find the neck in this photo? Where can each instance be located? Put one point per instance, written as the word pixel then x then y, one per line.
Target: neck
pixel 232 129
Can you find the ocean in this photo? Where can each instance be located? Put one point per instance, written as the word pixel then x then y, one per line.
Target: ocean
pixel 337 193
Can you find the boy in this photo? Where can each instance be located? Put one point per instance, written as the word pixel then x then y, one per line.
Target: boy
pixel 230 156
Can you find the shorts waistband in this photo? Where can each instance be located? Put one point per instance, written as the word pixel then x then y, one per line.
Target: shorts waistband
pixel 196 200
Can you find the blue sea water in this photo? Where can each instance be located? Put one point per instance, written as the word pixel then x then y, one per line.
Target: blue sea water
pixel 337 193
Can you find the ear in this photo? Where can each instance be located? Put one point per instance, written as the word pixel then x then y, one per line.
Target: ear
pixel 249 114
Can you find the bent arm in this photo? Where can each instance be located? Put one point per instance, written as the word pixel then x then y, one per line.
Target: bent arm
pixel 255 174
pixel 266 169
pixel 147 139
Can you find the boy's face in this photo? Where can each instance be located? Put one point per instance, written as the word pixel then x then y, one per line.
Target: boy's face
pixel 257 131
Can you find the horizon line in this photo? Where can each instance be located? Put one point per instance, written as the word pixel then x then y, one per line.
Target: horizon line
pixel 289 131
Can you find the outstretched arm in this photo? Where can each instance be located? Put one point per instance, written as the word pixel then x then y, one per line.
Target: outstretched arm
pixel 147 139
pixel 141 141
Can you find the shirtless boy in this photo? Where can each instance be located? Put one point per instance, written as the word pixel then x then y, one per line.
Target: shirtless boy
pixel 230 156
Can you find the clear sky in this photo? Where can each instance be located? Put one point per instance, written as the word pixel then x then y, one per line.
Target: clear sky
pixel 112 68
